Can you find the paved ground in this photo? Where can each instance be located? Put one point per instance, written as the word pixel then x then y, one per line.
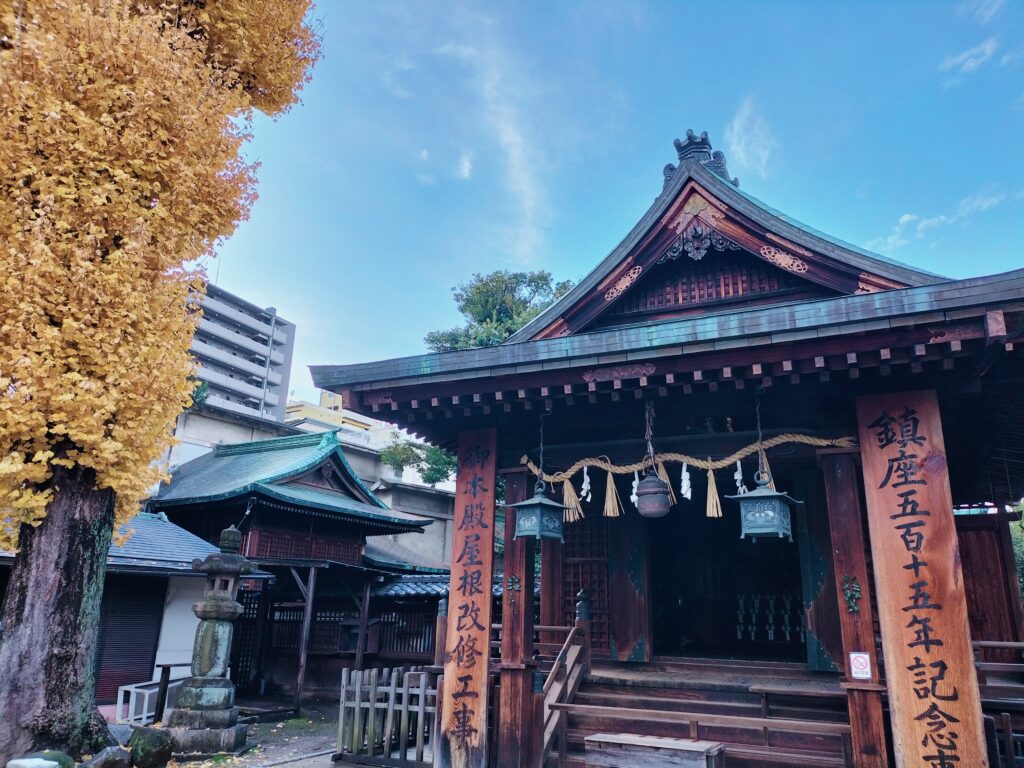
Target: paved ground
pixel 289 742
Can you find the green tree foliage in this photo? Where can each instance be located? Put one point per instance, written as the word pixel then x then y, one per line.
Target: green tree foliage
pixel 495 306
pixel 434 464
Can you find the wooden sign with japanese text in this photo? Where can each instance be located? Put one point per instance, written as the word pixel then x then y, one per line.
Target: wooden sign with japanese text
pixel 926 642
pixel 464 706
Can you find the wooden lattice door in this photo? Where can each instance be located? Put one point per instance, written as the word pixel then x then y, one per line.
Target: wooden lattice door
pixel 585 566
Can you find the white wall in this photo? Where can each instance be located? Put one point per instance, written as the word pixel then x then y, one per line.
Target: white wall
pixel 178 630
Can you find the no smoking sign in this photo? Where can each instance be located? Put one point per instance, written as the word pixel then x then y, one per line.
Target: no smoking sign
pixel 860 665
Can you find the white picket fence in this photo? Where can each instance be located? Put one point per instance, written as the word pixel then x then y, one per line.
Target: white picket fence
pixel 388 717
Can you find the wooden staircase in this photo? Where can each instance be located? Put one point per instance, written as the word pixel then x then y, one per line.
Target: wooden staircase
pixel 800 721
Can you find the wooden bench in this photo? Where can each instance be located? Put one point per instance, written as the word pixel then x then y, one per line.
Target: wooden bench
pixel 767 752
pixel 625 750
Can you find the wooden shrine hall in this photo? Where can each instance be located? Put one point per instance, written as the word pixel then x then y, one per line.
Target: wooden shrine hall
pixel 777 471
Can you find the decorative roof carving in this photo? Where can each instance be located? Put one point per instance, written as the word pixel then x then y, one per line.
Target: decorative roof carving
pixel 695 242
pixel 780 258
pixel 623 283
pixel 698 149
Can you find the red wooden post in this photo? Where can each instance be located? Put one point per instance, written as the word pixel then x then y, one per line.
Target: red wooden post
pixel 552 596
pixel 856 619
pixel 464 728
pixel 515 717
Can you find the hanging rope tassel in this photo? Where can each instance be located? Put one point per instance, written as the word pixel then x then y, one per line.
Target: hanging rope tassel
pixel 571 502
pixel 663 474
pixel 612 502
pixel 764 463
pixel 714 503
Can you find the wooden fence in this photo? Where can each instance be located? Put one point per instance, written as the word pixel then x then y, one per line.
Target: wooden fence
pixel 388 717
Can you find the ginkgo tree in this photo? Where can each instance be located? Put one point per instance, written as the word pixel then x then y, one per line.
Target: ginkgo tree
pixel 121 125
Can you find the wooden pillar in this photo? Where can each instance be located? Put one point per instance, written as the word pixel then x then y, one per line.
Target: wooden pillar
pixel 934 703
pixel 441 632
pixel 307 620
pixel 856 619
pixel 552 595
pixel 463 742
pixel 515 709
pixel 364 626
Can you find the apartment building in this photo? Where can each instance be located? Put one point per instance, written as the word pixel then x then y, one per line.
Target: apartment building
pixel 245 354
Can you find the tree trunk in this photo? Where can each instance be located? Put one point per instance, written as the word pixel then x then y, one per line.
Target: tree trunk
pixel 50 623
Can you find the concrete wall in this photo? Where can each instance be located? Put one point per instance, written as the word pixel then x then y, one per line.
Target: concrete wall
pixel 200 432
pixel 178 629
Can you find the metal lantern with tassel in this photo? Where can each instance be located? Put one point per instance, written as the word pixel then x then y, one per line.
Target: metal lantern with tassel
pixel 764 512
pixel 539 517
pixel 652 492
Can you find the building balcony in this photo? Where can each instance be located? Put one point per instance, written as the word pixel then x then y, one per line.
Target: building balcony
pixel 214 354
pixel 214 400
pixel 225 311
pixel 238 340
pixel 237 386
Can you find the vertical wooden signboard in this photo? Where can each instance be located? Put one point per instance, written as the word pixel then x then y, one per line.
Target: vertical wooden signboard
pixel 930 676
pixel 464 706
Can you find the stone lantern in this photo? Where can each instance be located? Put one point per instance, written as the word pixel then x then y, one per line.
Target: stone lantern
pixel 206 718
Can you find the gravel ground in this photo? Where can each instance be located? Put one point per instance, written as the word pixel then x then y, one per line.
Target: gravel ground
pixel 295 743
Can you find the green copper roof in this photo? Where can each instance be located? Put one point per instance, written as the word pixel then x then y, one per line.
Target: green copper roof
pixel 263 468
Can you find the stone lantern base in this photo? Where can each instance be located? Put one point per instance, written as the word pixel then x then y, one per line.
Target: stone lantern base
pixel 206 720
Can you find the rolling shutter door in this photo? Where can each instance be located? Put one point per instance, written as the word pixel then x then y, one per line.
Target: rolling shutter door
pixel 130 618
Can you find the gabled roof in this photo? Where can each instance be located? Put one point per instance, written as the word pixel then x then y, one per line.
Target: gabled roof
pixel 155 546
pixel 699 193
pixel 264 469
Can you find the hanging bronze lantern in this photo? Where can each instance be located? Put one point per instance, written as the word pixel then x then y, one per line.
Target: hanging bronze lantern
pixel 652 497
pixel 764 512
pixel 538 517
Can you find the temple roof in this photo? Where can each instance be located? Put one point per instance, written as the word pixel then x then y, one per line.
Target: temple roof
pixel 268 469
pixel 700 183
pixel 820 318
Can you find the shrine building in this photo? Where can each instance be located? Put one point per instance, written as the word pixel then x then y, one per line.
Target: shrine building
pixel 780 472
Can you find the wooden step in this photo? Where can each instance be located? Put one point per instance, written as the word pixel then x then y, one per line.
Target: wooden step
pixel 667 703
pixel 799 735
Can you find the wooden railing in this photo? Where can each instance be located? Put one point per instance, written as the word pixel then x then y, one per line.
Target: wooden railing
pixel 388 717
pixel 571 665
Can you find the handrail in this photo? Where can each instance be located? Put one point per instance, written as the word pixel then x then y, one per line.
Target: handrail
pixel 571 664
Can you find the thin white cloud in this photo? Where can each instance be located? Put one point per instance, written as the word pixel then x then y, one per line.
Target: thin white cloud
pixel 896 238
pixel 912 226
pixel 391 74
pixel 499 84
pixel 1011 58
pixel 982 11
pixel 969 61
pixel 464 168
pixel 426 179
pixel 424 155
pixel 978 202
pixel 752 146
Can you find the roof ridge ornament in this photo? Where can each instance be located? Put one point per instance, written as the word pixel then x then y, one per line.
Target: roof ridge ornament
pixel 698 149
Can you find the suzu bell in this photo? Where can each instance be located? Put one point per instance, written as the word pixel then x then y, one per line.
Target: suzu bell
pixel 764 512
pixel 538 517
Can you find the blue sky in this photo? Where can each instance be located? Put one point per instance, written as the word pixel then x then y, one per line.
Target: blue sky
pixel 441 139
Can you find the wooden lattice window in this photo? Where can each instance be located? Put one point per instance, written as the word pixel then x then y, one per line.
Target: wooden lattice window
pixel 585 566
